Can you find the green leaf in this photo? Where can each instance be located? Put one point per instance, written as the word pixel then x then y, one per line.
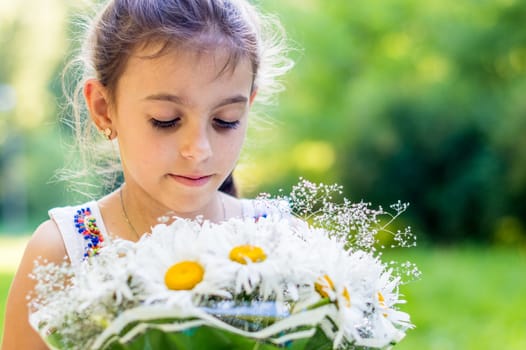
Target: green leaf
pixel 206 337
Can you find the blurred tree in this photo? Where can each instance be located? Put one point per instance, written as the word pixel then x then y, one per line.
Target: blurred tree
pixel 419 101
pixel 396 99
pixel 32 43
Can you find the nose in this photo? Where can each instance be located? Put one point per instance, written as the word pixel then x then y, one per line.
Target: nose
pixel 195 143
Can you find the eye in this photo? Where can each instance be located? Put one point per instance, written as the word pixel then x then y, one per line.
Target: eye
pixel 163 124
pixel 223 124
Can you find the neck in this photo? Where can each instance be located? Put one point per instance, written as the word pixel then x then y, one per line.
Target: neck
pixel 141 211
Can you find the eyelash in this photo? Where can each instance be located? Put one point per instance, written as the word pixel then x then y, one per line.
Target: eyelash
pixel 161 124
pixel 222 124
pixel 226 125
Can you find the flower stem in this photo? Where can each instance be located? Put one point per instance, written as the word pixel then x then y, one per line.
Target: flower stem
pixel 320 303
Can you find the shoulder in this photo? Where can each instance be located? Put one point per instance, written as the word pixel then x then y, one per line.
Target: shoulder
pixel 46 242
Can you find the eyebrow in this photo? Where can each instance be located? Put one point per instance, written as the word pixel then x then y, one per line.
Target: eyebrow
pixel 181 101
pixel 165 97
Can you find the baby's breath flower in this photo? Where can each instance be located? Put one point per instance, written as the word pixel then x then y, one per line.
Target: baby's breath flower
pixel 242 273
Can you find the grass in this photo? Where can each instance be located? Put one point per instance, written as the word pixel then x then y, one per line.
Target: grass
pixel 5 282
pixel 11 250
pixel 468 298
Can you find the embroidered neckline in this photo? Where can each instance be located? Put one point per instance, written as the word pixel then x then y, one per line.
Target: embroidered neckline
pixel 259 216
pixel 86 225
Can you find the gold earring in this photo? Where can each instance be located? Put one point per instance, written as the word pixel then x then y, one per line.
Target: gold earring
pixel 107 133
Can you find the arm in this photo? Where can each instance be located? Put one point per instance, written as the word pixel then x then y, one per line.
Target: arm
pixel 18 334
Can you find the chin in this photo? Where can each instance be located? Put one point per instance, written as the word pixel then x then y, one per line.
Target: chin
pixel 191 204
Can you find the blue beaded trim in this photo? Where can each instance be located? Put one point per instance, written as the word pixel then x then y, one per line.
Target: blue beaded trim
pixel 86 225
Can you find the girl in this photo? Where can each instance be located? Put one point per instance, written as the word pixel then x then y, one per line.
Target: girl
pixel 171 83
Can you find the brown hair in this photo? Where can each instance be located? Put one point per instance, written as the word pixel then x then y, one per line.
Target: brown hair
pixel 200 25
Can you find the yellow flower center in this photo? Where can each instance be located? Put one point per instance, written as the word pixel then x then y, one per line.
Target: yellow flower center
pixel 347 297
pixel 184 275
pixel 324 285
pixel 243 253
pixel 381 299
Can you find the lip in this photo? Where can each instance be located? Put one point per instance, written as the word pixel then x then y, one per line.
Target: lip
pixel 192 180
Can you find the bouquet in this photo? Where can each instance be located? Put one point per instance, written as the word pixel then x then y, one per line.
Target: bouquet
pixel 266 283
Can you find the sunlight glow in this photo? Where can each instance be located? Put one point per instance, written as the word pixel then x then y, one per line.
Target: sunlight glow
pixel 316 156
pixel 433 68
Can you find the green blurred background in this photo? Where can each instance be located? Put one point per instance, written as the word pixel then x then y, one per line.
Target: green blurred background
pixel 422 101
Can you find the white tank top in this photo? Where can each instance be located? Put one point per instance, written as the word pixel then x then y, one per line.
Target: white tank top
pixel 70 223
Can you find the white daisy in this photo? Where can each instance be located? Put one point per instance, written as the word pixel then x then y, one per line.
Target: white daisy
pixel 388 325
pixel 359 287
pixel 262 257
pixel 173 263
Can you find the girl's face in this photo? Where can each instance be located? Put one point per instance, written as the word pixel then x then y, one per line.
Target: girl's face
pixel 181 120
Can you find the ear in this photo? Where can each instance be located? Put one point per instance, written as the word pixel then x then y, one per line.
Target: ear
pixel 252 97
pixel 98 104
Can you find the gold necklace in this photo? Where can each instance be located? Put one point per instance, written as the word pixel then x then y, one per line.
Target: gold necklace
pixel 221 199
pixel 126 215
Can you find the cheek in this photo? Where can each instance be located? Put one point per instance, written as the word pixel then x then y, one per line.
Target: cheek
pixel 233 145
pixel 159 150
pixel 226 151
pixel 143 149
